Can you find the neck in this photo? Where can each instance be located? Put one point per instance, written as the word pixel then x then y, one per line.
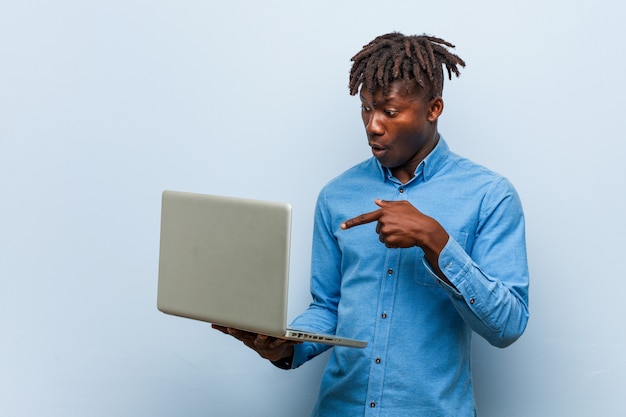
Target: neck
pixel 406 172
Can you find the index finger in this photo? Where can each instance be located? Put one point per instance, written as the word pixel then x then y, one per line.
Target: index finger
pixel 365 218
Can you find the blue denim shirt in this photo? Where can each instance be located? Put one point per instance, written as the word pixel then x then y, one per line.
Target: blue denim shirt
pixel 418 329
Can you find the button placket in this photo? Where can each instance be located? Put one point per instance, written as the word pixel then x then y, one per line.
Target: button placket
pixel 388 288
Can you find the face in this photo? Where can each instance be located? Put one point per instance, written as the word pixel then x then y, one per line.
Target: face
pixel 401 127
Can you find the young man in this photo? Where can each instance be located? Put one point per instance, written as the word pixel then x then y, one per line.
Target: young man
pixel 414 249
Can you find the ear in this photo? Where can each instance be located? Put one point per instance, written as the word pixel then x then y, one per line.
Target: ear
pixel 435 108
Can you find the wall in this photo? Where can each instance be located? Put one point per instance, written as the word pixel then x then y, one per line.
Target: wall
pixel 105 104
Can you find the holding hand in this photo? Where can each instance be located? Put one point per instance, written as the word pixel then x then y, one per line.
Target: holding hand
pixel 267 347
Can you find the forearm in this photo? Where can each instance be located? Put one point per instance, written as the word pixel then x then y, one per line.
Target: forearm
pixel 495 308
pixel 315 319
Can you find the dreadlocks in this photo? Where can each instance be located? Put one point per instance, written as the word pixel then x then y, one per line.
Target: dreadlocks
pixel 394 56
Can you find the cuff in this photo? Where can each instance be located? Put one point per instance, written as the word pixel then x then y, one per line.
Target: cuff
pixel 284 363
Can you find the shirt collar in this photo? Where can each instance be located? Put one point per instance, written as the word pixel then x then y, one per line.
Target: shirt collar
pixel 429 165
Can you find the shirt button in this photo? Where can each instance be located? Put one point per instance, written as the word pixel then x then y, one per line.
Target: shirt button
pixel 384 315
pixel 401 190
pixel 377 360
pixel 372 404
pixel 390 271
pixel 472 301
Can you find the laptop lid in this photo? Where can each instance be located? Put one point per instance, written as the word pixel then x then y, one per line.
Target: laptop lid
pixel 225 260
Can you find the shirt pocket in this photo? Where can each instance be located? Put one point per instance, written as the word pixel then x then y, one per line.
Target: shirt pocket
pixel 421 275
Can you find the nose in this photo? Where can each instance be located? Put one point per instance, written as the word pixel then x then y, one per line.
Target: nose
pixel 373 125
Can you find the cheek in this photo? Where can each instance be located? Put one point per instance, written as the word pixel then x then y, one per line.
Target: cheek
pixel 407 144
pixel 403 139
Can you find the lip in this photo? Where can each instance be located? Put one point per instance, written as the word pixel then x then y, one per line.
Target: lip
pixel 377 150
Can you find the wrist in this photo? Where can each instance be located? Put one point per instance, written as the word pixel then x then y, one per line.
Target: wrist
pixel 283 363
pixel 434 242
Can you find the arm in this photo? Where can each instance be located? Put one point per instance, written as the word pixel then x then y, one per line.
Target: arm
pixel 321 315
pixel 489 287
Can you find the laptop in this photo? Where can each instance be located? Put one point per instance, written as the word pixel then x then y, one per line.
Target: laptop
pixel 225 260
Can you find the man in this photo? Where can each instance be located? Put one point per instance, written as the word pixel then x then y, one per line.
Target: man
pixel 439 252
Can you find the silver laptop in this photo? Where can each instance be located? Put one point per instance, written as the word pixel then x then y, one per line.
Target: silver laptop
pixel 225 260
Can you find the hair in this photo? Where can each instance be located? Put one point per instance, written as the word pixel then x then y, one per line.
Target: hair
pixel 394 57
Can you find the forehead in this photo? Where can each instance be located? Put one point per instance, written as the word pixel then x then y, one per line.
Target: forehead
pixel 398 90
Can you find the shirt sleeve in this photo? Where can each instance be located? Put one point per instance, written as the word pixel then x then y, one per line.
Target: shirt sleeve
pixel 321 315
pixel 491 283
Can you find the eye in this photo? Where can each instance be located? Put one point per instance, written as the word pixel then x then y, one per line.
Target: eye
pixel 364 108
pixel 391 113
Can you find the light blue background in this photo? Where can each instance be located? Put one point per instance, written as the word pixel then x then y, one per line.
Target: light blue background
pixel 103 104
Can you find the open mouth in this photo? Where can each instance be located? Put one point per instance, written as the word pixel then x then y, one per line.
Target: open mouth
pixel 377 150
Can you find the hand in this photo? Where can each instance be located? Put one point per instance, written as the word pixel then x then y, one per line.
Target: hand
pixel 401 225
pixel 267 347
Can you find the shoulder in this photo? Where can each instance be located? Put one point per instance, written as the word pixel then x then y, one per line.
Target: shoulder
pixel 365 172
pixel 470 171
pixel 354 189
pixel 462 176
pixel 469 167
